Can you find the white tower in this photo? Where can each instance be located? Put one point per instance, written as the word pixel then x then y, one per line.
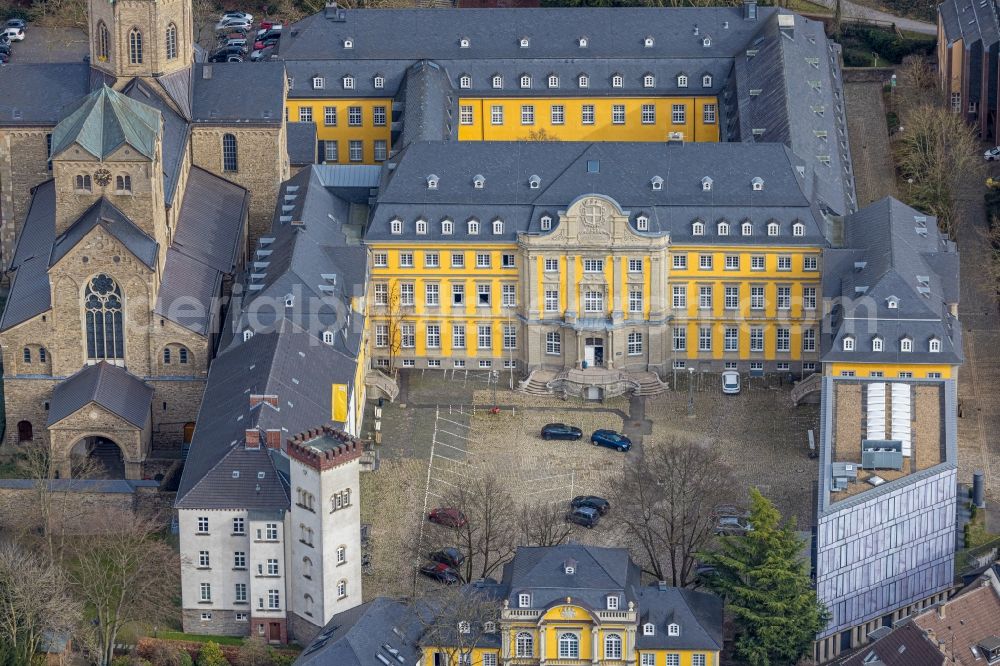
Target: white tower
pixel 325 528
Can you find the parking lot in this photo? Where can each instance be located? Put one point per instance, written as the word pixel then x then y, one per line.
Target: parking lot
pixel 440 433
pixel 44 44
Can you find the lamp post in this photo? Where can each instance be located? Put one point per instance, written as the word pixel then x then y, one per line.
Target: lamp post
pixel 690 393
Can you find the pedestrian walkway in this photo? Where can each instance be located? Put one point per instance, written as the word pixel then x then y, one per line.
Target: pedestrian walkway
pixel 874 171
pixel 864 14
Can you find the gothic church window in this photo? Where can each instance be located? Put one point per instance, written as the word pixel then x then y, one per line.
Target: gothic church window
pixel 103 41
pixel 229 161
pixel 135 47
pixel 171 41
pixel 105 319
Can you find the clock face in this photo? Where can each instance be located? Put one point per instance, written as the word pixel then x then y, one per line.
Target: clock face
pixel 102 177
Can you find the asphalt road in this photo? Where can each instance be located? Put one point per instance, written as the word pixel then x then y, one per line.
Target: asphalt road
pixel 855 11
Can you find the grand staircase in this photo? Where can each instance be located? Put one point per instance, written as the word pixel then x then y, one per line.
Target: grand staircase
pixel 806 389
pixel 582 382
pixel 378 380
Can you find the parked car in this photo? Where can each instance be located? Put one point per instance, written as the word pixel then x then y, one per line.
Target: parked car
pixel 260 54
pixel 447 516
pixel 4 57
pixel 17 23
pixel 5 48
pixel 583 515
pixel 560 431
pixel 227 54
pixel 270 25
pixel 453 557
pixel 262 44
pixel 14 34
pixel 732 525
pixel 730 382
pixel 230 24
pixel 593 501
pixel 269 33
pixel 441 573
pixel 236 42
pixel 611 439
pixel 235 14
pixel 992 154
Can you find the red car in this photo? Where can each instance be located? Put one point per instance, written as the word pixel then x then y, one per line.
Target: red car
pixel 267 25
pixel 447 516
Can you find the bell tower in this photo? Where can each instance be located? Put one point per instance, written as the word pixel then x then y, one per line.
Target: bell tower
pixel 145 38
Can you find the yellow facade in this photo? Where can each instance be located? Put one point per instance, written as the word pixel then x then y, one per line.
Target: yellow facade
pixel 343 121
pixel 893 370
pixel 588 119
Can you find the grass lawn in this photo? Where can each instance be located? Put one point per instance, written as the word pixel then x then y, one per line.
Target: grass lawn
pixel 199 638
pixel 806 7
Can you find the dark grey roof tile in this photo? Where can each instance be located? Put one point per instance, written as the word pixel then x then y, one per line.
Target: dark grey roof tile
pixel 248 92
pixel 111 387
pixel 29 292
pixel 21 104
pixel 105 214
pixel 301 139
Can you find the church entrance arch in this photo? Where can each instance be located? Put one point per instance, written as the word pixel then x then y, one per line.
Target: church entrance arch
pixel 97 457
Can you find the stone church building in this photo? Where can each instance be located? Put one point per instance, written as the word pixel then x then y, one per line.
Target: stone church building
pixel 130 187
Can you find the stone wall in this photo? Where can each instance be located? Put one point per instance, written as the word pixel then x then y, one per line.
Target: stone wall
pixel 23 165
pixel 222 622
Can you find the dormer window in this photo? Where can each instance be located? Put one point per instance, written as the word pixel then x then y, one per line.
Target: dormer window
pixel 553 81
pixel 463 43
pixel 617 81
pixel 479 181
pixel 497 227
pixel 706 184
pixel 905 345
pixel 673 629
pixel 247 334
pixel 682 81
pixel 524 600
pixel 706 41
pixel 773 228
pixel 612 602
pixel 473 227
pixel 421 227
pixel 746 229
pixel 447 227
pixel 569 567
pixel 289 300
pixel 583 80
pixel 534 182
pixel 723 228
pixel 876 344
pixel 546 222
pixel 348 82
pixel 465 81
pixel 379 82
pixel 648 629
pixel 757 184
pixel 642 223
pixel 497 81
pixel 657 183
pixel 648 42
pixel 432 182
pixel 706 81
pixel 328 337
pixel 396 226
pixel 934 346
pixel 489 627
pixel 892 303
pixel 525 81
pixel 648 81
pixel 582 42
pixel 464 628
pixel 348 43
pixel 525 42
pixel 798 229
pixel 318 83
pixel 848 343
pixel 698 228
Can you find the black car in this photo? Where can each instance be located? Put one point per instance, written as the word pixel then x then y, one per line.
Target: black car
pixel 453 557
pixel 441 573
pixel 227 54
pixel 593 501
pixel 17 23
pixel 4 57
pixel 264 35
pixel 560 431
pixel 583 515
pixel 5 48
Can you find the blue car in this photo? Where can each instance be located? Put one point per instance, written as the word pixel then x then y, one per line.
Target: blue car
pixel 611 439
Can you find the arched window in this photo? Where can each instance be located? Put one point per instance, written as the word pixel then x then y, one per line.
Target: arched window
pixel 935 346
pixel 613 646
pixel 307 567
pixel 182 355
pixel 24 433
pixel 524 645
pixel 341 589
pixel 105 319
pixel 123 184
pixel 166 355
pixel 27 354
pixel 229 161
pixel 135 47
pixel 569 646
pixel 307 602
pixel 171 41
pixel 83 183
pixel 103 41
pixel 42 355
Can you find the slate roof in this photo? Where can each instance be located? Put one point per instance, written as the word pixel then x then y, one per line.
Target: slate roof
pixel 104 121
pixel 625 174
pixel 111 387
pixel 238 92
pixel 176 133
pixel 356 636
pixel 698 614
pixel 906 645
pixel 29 292
pixel 896 255
pixel 301 140
pixel 970 21
pixel 207 245
pixel 553 33
pixel 177 86
pixel 63 85
pixel 429 101
pixel 105 214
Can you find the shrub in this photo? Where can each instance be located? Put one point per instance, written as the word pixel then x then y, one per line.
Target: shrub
pixel 211 655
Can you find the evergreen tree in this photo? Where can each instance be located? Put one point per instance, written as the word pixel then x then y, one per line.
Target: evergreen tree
pixel 765 583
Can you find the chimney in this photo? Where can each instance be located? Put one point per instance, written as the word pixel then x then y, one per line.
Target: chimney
pixel 786 24
pixel 206 72
pixel 941 611
pixel 252 438
pixel 273 439
pixel 749 10
pixel 661 585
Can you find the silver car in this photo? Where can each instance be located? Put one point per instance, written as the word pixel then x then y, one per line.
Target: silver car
pixel 730 382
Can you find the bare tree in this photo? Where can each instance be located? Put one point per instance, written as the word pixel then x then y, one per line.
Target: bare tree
pixel 390 314
pixel 456 620
pixel 666 503
pixel 917 83
pixel 125 573
pixel 543 524
pixel 34 601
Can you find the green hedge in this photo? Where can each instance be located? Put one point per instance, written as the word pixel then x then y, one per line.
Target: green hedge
pixel 860 41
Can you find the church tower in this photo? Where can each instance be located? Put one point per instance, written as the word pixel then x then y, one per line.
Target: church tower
pixel 145 38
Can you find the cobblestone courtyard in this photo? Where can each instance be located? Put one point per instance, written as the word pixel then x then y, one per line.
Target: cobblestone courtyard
pixel 763 438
